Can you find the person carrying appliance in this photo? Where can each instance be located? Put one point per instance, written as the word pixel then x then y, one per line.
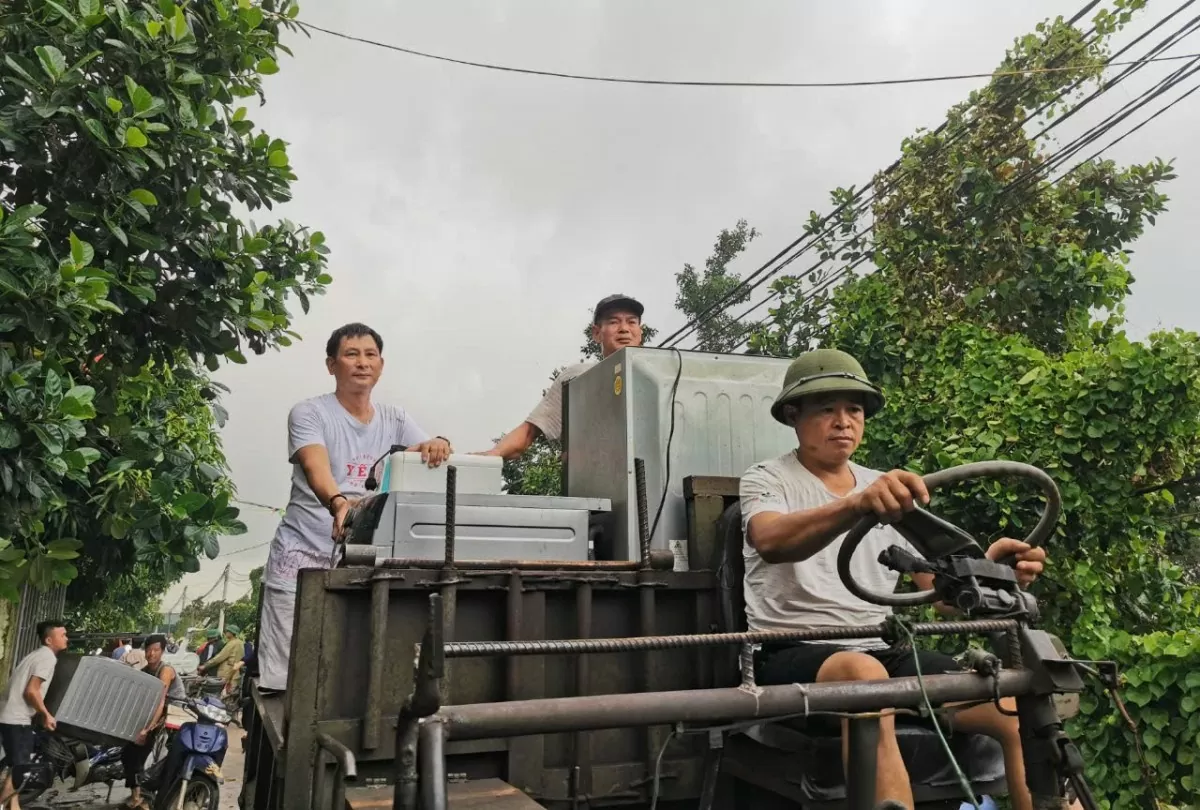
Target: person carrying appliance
pixel 26 700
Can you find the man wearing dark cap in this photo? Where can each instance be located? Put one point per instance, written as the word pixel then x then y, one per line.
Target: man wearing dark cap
pixel 796 510
pixel 616 323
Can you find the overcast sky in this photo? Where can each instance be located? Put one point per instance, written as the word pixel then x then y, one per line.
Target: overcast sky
pixel 474 217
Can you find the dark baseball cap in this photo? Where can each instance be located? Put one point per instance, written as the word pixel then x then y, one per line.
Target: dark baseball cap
pixel 617 302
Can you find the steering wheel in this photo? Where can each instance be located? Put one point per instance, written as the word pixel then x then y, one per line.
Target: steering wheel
pixel 917 523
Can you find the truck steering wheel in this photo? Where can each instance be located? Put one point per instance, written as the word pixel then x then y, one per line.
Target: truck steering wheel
pixel 942 478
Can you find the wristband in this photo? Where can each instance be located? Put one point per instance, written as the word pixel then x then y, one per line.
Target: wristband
pixel 329 506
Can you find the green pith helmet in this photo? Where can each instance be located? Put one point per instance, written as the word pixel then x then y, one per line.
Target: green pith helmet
pixel 823 371
pixel 212 633
pixel 232 628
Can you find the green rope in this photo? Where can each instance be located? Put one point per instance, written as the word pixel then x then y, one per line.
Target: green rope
pixel 963 782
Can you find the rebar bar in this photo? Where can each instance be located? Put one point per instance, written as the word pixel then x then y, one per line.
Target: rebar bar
pixel 643 510
pixel 451 498
pixel 480 649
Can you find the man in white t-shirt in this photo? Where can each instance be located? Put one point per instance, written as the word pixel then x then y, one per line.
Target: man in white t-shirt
pixel 25 700
pixel 616 323
pixel 334 440
pixel 797 508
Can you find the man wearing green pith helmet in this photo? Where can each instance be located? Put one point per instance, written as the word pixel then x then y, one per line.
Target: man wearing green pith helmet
pixel 797 508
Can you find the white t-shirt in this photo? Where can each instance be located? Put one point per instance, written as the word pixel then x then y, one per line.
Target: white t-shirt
pixel 787 596
pixel 547 416
pixel 40 663
pixel 303 539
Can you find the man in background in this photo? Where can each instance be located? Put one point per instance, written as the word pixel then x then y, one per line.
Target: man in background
pixel 26 700
pixel 136 657
pixel 334 441
pixel 228 658
pixel 616 323
pixel 211 646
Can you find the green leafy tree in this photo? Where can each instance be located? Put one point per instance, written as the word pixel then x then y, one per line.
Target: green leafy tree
pixel 125 274
pixel 994 322
pixel 717 331
pixel 127 602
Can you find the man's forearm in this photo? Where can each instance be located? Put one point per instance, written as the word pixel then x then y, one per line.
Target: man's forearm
pixel 796 536
pixel 315 463
pixel 33 696
pixel 515 442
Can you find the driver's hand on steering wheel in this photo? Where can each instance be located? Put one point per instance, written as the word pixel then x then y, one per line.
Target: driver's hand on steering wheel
pixel 1028 561
pixel 893 494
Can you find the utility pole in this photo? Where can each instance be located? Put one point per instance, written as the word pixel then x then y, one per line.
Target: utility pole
pixel 224 596
pixel 182 605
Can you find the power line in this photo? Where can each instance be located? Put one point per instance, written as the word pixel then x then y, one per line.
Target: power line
pixel 258 505
pixel 1171 40
pixel 694 83
pixel 1050 164
pixel 243 550
pixel 871 193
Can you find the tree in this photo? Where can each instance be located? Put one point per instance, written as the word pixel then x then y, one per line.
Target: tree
pixel 717 330
pixel 242 612
pixel 994 322
pixel 125 274
pixel 128 602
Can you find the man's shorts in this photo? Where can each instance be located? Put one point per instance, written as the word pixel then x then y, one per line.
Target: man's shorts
pixel 18 750
pixel 800 662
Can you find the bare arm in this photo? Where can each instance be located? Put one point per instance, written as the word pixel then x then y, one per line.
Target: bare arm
pixel 166 674
pixel 33 696
pixel 515 442
pixel 795 536
pixel 314 460
pixel 780 537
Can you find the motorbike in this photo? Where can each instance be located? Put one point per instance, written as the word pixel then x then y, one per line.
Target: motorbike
pixel 201 686
pixel 189 776
pixel 59 757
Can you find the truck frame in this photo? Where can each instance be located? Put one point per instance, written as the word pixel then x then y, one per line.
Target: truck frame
pixel 513 684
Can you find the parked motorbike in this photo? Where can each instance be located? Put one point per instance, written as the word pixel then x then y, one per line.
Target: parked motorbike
pixel 56 756
pixel 189 776
pixel 201 686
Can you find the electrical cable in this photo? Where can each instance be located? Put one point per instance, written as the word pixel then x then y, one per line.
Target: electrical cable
pixel 670 439
pixel 258 505
pixel 694 83
pixel 1117 140
pixel 243 550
